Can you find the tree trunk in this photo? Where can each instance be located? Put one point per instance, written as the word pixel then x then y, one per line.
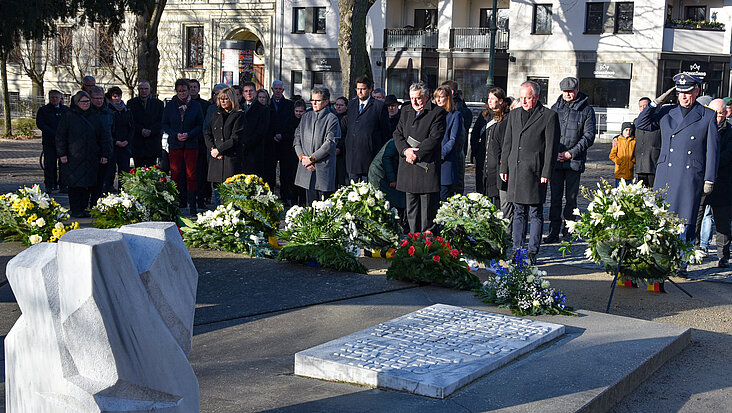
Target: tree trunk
pixel 352 50
pixel 6 95
pixel 148 57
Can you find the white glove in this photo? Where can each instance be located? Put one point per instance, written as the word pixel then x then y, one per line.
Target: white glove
pixel 708 187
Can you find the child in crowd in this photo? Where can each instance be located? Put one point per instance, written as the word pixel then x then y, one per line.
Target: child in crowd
pixel 623 153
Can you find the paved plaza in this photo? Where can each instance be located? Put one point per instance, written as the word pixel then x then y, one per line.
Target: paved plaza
pixel 653 353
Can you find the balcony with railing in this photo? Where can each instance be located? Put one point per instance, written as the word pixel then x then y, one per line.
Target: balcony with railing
pixel 688 38
pixel 409 38
pixel 477 38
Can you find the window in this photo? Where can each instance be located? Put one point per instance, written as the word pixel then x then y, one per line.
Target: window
pixel 298 19
pixel 296 76
pixel 105 47
pixel 542 19
pixel 543 87
pixel 425 19
pixel 501 18
pixel 64 46
pixel 696 12
pixel 399 80
pixel 194 56
pixel 624 17
pixel 594 13
pixel 319 20
pixel 318 78
pixel 606 93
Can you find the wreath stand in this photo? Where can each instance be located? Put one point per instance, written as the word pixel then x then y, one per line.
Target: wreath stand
pixel 617 273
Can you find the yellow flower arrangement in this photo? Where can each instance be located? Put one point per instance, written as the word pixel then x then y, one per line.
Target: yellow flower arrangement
pixel 31 216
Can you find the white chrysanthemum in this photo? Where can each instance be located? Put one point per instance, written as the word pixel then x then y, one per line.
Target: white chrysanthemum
pixel 474 196
pixel 40 222
pixel 59 225
pixel 370 201
pixel 126 203
pixel 545 284
pixel 35 239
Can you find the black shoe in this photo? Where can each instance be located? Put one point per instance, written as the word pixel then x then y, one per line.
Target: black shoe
pixel 551 239
pixel 532 258
pixel 193 211
pixel 182 204
pixel 722 264
pixel 201 205
pixel 82 214
pixel 682 273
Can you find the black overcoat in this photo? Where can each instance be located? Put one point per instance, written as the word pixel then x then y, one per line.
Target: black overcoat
pixel 492 182
pixel 647 149
pixel 367 132
pixel 722 193
pixel 47 120
pixel 528 154
pixel 146 117
pixel 223 133
pixel 81 138
pixel 429 129
pixel 253 143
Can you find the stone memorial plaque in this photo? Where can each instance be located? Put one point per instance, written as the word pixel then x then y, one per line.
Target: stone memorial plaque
pixel 432 352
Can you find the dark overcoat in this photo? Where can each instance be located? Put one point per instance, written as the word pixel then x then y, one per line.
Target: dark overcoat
pixel 192 123
pixel 47 120
pixel 146 117
pixel 722 193
pixel 428 128
pixel 577 129
pixel 529 153
pixel 81 138
pixel 494 132
pixel 647 149
pixel 367 132
pixel 223 133
pixel 253 143
pixel 122 129
pixel 452 148
pixel 689 156
pixel 283 112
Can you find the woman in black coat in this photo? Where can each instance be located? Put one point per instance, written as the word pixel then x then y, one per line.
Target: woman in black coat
pixel 81 145
pixel 341 108
pixel 493 129
pixel 222 136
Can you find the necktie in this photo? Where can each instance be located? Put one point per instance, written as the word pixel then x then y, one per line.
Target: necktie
pixel 360 108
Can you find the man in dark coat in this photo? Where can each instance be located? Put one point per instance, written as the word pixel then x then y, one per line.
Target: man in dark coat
pixel 204 188
pixel 577 127
pixel 527 159
pixel 647 149
pixel 282 111
pixel 721 197
pixel 147 113
pixel 418 139
pixel 47 120
pixel 689 154
pixel 257 129
pixel 122 133
pixel 368 130
pixel 392 107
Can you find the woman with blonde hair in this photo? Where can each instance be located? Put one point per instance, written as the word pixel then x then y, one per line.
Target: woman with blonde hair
pixel 452 142
pixel 223 138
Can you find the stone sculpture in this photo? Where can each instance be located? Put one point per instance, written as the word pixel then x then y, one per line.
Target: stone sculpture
pixel 107 323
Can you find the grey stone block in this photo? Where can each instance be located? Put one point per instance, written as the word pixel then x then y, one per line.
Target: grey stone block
pixel 106 323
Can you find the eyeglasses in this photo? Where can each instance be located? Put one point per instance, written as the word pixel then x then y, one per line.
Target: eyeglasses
pixel 317 100
pixel 223 99
pixel 85 101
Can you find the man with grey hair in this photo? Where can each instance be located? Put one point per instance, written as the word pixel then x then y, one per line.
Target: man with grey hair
pixel 87 83
pixel 529 152
pixel 379 94
pixel 418 140
pixel 315 145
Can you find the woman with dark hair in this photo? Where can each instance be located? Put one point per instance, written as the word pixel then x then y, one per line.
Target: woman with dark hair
pixel 122 132
pixel 298 194
pixel 183 122
pixel 452 142
pixel 82 145
pixel 222 139
pixel 492 136
pixel 341 109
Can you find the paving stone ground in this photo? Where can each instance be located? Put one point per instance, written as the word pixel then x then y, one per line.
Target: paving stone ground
pixel 233 288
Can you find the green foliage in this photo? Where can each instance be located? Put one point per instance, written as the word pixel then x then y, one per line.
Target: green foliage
pixel 24 127
pixel 475 226
pixel 254 198
pixel 30 216
pixel 325 254
pixel 376 222
pixel 155 190
pixel 116 210
pixel 424 258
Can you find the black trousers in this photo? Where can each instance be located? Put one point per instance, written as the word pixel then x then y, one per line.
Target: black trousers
pixel 421 211
pixel 50 166
pixel 722 215
pixel 289 193
pixel 647 179
pixel 562 181
pixel 522 215
pixel 315 195
pixel 79 199
pixel 141 161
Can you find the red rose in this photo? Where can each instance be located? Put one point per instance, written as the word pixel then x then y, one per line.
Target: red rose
pixel 428 232
pixel 162 180
pixel 410 251
pixel 428 243
pixel 417 235
pixel 454 253
pixel 439 239
pixel 436 258
pixel 132 171
pixel 412 236
pixel 405 243
pixel 156 167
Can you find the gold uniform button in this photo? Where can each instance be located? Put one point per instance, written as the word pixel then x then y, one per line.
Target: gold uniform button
pixel 669 164
pixel 687 166
pixel 671 150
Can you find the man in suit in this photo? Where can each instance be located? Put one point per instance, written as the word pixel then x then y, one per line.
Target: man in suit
pixel 147 114
pixel 253 143
pixel 282 111
pixel 418 139
pixel 647 149
pixel 368 130
pixel 689 154
pixel 47 120
pixel 528 155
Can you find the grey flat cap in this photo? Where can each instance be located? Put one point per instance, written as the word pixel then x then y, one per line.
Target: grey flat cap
pixel 569 83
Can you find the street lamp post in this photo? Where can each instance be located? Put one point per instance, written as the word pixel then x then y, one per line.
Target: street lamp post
pixel 492 59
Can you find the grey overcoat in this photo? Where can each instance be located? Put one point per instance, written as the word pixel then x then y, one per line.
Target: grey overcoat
pixel 317 136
